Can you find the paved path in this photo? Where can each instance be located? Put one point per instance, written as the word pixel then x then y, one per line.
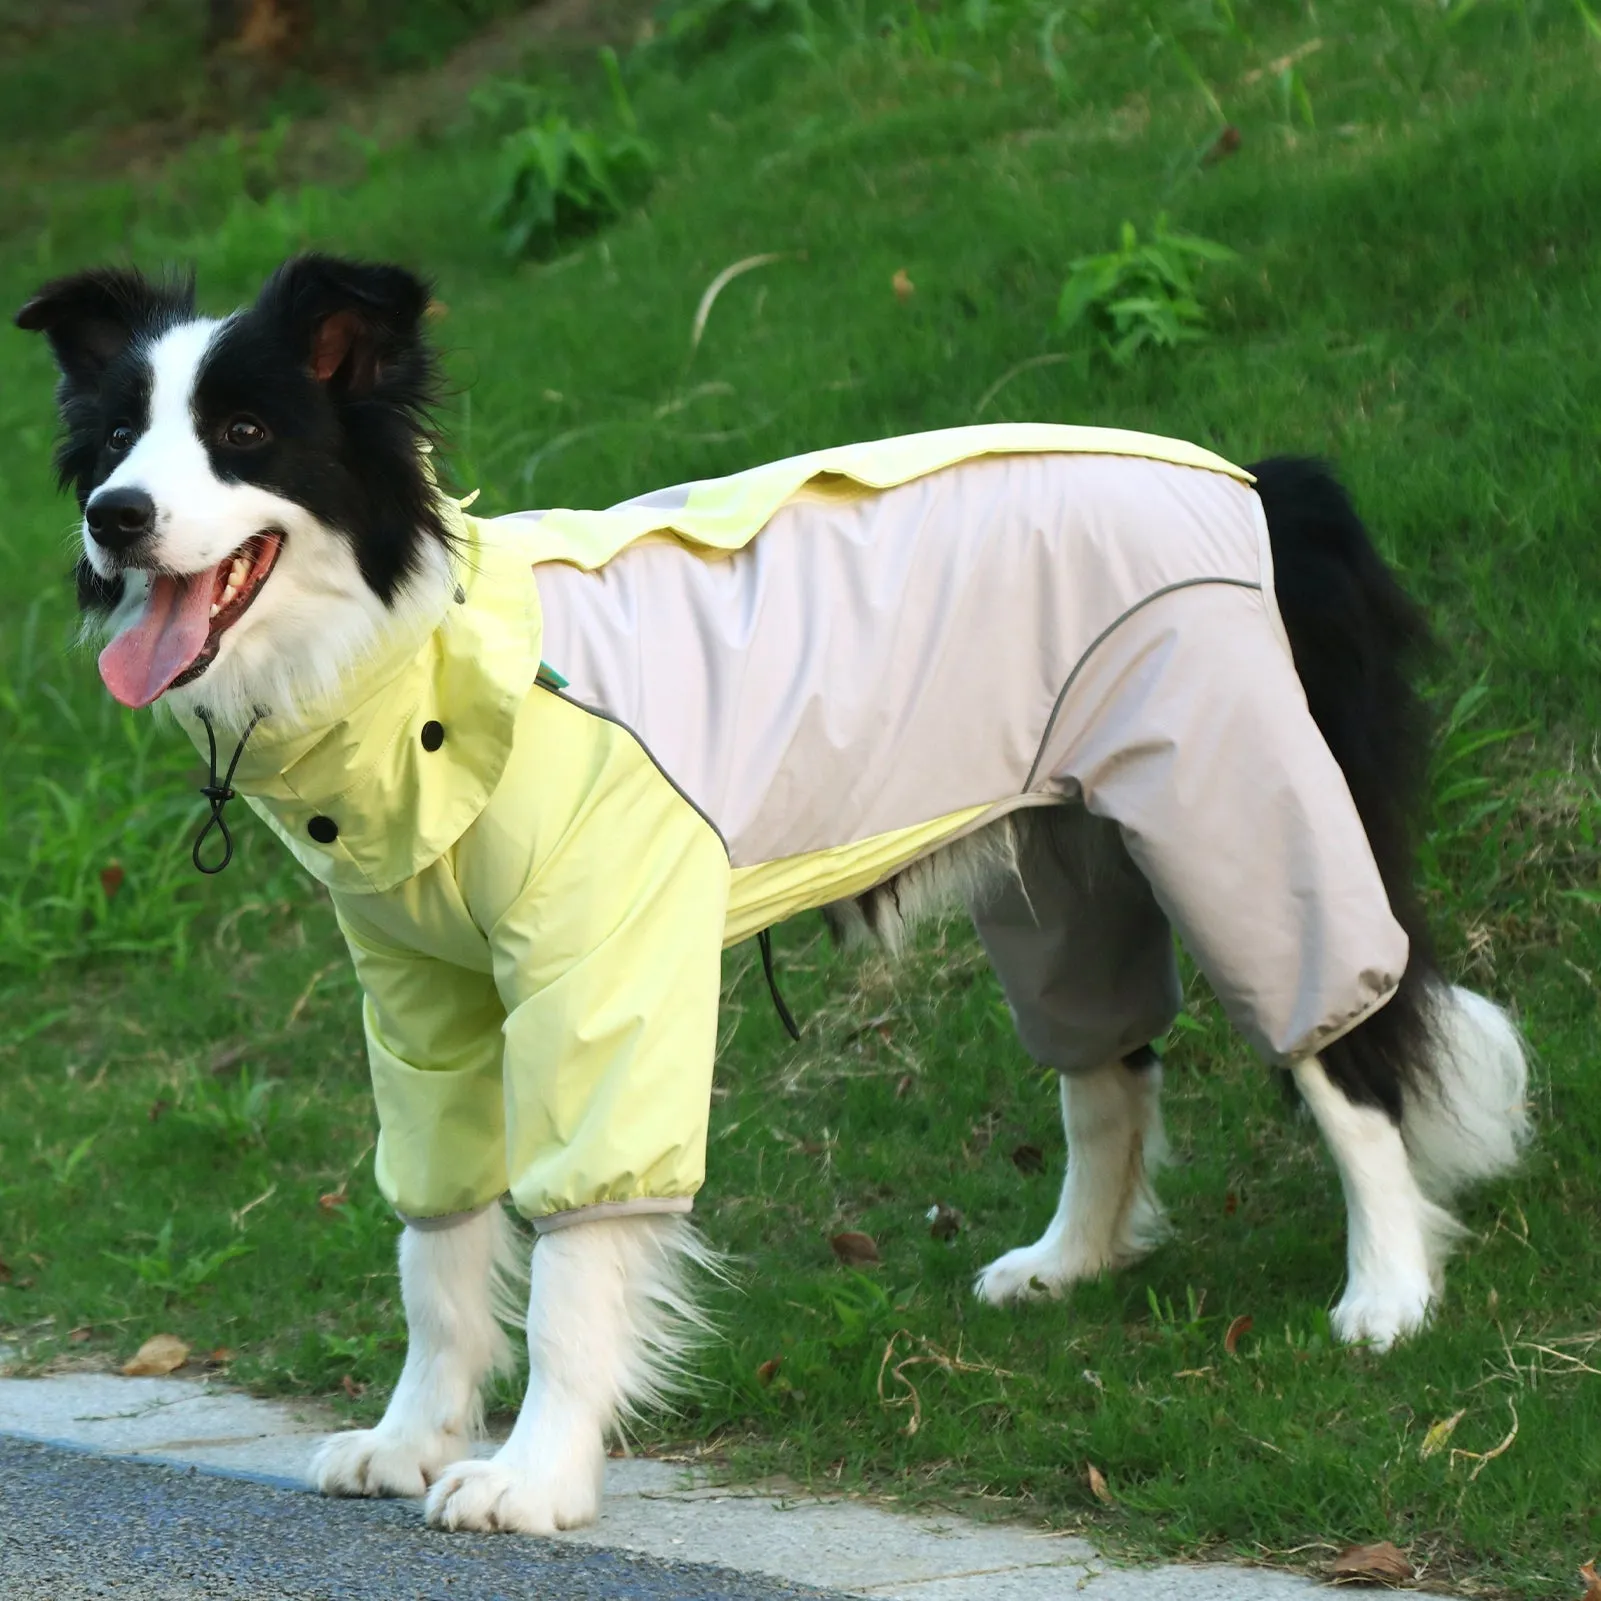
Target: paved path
pixel 74 1525
pixel 137 1522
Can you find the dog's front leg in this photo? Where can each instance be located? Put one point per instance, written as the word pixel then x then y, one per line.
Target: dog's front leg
pixel 447 1282
pixel 609 1321
pixel 1108 1214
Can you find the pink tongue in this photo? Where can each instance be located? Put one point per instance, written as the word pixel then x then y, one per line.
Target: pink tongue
pixel 166 637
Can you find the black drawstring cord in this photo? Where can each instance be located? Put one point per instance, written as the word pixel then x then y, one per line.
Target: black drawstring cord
pixel 219 794
pixel 785 1016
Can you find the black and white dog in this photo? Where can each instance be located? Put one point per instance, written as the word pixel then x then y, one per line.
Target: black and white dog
pixel 258 515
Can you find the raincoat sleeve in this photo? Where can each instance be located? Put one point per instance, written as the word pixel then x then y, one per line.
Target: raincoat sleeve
pixel 434 1047
pixel 609 966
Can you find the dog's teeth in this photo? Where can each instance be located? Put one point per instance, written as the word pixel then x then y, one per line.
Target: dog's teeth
pixel 215 609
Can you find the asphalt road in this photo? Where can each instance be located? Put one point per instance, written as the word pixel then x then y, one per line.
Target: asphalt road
pixel 75 1526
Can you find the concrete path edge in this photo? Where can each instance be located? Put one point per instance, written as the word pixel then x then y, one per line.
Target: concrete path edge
pixel 657 1509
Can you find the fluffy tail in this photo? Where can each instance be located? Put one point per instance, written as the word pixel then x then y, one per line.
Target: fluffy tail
pixel 1446 1064
pixel 1467 1119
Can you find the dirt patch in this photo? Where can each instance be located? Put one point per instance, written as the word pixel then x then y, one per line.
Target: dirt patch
pixel 388 111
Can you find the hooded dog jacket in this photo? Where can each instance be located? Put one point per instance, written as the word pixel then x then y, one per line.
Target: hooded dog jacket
pixel 639 735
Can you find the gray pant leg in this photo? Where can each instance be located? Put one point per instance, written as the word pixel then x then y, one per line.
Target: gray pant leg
pixel 1083 952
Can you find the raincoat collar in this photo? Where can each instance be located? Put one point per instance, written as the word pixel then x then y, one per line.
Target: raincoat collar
pixel 389 777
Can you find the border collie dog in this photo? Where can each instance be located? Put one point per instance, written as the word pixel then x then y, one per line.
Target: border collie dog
pixel 1099 689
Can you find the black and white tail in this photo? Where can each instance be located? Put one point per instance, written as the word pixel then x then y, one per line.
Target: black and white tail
pixel 1446 1064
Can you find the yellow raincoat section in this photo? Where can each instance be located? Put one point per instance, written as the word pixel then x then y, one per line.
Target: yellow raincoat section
pixel 542 1001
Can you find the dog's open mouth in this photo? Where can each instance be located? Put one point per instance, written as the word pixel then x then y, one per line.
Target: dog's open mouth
pixel 174 639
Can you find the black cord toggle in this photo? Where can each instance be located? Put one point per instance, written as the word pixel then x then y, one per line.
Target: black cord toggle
pixel 785 1016
pixel 219 794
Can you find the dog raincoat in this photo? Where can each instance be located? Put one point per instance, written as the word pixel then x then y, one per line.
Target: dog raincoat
pixel 639 735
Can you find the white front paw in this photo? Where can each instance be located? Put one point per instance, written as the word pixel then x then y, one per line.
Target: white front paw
pixel 1379 1317
pixel 1030 1273
pixel 500 1495
pixel 382 1462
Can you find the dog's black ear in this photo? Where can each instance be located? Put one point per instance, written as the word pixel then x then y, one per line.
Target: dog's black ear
pixel 353 321
pixel 90 317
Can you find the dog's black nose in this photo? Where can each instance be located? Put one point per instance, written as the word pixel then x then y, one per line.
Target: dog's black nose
pixel 119 518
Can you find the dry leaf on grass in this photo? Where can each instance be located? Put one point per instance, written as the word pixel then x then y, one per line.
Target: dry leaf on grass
pixel 267 30
pixel 1028 1159
pixel 1237 1331
pixel 855 1249
pixel 351 1387
pixel 1226 143
pixel 160 1354
pixel 1592 1582
pixel 764 1374
pixel 1381 1563
pixel 334 1198
pixel 944 1222
pixel 5 1272
pixel 902 285
pixel 81 1335
pixel 111 877
pixel 1440 1432
pixel 1099 1487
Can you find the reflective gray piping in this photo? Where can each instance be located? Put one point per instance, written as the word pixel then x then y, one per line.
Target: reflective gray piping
pixel 650 756
pixel 646 1206
pixel 447 1220
pixel 1101 638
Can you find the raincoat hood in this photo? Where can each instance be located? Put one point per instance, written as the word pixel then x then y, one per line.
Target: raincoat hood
pixel 360 761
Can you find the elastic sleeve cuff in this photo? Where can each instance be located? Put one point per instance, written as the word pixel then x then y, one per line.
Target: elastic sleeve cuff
pixel 645 1206
pixel 446 1220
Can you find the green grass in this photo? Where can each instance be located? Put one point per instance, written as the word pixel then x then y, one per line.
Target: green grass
pixel 1418 296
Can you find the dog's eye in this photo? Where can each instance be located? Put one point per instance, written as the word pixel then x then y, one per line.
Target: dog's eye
pixel 243 432
pixel 121 438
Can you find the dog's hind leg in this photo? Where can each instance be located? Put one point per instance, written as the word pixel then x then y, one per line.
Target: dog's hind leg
pixel 449 1279
pixel 610 1322
pixel 1463 1118
pixel 1397 1238
pixel 1108 1214
pixel 1085 957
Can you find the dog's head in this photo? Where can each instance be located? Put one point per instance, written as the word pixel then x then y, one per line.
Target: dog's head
pixel 255 497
